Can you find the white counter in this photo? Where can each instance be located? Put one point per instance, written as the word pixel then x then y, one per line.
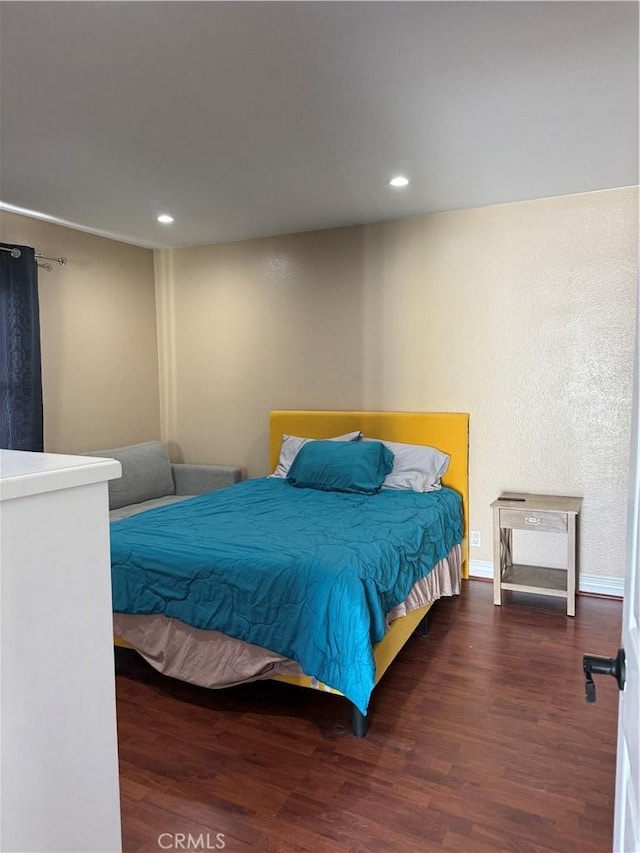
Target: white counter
pixel 59 786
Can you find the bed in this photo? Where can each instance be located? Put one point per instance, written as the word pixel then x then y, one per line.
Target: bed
pixel 347 657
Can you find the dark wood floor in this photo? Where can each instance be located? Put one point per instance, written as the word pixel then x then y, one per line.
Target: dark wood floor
pixel 480 740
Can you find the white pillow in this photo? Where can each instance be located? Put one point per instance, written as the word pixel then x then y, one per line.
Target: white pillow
pixel 416 467
pixel 291 444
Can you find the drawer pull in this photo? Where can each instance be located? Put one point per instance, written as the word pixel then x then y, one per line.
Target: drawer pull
pixel 532 519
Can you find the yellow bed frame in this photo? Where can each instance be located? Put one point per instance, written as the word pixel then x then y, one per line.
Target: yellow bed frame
pixel 448 431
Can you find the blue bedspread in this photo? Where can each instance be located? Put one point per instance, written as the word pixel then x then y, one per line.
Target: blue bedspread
pixel 305 573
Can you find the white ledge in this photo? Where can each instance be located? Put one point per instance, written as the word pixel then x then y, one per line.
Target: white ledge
pixel 24 473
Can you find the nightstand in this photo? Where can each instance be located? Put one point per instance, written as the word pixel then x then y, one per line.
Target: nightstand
pixel 543 514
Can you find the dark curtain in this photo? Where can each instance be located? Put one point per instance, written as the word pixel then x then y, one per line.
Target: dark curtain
pixel 20 371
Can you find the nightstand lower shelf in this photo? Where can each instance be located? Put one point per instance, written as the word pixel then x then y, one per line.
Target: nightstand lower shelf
pixel 536 579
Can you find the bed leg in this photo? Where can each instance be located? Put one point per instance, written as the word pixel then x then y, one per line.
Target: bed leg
pixel 424 625
pixel 359 723
pixel 118 659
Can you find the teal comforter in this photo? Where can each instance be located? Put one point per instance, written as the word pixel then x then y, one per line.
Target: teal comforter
pixel 305 573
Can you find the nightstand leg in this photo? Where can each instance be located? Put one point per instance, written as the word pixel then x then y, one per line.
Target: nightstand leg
pixel 571 564
pixel 497 560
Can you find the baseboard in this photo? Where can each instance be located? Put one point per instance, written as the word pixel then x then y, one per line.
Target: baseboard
pixel 588 583
pixel 480 569
pixel 602 586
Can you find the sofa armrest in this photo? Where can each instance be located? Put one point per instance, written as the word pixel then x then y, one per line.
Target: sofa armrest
pixel 198 479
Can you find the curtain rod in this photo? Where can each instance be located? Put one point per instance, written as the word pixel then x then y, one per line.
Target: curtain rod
pixel 16 253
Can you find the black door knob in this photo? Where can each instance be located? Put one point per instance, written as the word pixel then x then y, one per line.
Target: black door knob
pixel 595 665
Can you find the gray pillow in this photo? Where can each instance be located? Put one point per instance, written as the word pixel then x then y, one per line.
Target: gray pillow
pixel 291 444
pixel 146 473
pixel 416 467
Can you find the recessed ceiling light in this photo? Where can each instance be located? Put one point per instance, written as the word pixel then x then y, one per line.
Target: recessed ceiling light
pixel 165 219
pixel 399 181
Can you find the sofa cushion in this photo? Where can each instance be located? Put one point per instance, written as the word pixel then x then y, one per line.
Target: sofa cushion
pixel 133 509
pixel 146 473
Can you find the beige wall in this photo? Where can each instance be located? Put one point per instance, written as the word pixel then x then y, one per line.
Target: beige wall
pixel 98 331
pixel 520 314
pixel 252 326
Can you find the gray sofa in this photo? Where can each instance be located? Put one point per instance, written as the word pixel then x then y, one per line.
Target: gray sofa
pixel 150 480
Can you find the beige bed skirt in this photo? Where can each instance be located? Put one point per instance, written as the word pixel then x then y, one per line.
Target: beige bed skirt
pixel 211 659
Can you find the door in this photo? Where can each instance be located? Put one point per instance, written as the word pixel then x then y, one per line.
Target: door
pixel 626 833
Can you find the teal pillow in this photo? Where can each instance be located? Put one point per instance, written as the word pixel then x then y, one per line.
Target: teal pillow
pixel 341 466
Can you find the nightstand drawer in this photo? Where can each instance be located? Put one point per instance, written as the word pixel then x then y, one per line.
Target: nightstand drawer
pixel 522 519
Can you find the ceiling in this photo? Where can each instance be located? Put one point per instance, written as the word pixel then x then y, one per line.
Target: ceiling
pixel 245 119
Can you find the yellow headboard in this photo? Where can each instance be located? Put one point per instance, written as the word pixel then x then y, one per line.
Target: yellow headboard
pixel 448 431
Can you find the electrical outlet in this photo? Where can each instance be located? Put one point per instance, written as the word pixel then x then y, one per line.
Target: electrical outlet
pixel 475 539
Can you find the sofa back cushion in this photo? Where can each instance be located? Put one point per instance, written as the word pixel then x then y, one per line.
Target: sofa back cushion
pixel 146 473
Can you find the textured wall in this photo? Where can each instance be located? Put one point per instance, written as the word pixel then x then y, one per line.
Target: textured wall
pixel 252 326
pixel 99 343
pixel 522 315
